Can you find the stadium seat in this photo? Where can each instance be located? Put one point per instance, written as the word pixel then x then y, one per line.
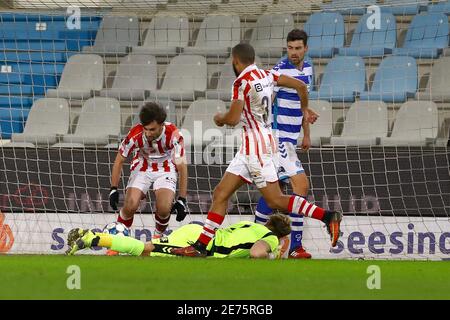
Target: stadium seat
pixel 13 114
pixel 441 7
pixel 438 83
pixel 82 74
pixel 48 118
pixel 165 36
pixel 427 36
pixel 198 126
pixel 326 33
pixel 185 79
pixel 404 7
pixel 343 78
pixel 217 35
pixel 99 122
pixel 349 7
pixel 269 35
pixel 136 76
pixel 32 56
pixel 225 82
pixel 116 35
pixel 364 122
pixel 374 42
pixel 416 124
pixel 395 80
pixel 321 130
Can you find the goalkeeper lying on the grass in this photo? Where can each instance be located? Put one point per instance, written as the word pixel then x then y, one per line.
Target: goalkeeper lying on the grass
pixel 240 240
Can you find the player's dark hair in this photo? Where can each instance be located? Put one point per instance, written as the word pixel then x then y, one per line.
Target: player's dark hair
pixel 244 52
pixel 297 34
pixel 279 224
pixel 150 112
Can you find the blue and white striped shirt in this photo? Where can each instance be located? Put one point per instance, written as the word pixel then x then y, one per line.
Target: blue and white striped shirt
pixel 286 115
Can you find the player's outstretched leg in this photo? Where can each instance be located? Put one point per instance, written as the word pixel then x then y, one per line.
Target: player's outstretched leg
pixel 79 239
pixel 263 211
pixel 295 204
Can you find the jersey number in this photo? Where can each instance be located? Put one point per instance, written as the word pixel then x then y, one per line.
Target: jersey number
pixel 265 102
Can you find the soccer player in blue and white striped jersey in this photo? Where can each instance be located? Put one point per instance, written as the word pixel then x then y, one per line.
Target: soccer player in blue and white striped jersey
pixel 287 121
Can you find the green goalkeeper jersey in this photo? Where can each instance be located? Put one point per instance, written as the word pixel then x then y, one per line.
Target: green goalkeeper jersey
pixel 234 241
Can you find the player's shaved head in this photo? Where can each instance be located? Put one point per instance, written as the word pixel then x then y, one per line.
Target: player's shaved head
pixel 279 224
pixel 244 53
pixel 150 112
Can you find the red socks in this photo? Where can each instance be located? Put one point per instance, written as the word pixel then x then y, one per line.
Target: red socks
pixel 213 222
pixel 301 206
pixel 128 222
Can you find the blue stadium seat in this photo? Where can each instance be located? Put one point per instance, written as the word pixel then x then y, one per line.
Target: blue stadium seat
pixel 373 43
pixel 15 17
pixel 404 7
pixel 395 80
pixel 33 56
pixel 349 7
pixel 21 90
pixel 326 34
pixel 33 45
pixel 441 7
pixel 427 36
pixel 343 78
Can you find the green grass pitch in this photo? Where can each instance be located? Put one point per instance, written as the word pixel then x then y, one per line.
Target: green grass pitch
pixel 123 277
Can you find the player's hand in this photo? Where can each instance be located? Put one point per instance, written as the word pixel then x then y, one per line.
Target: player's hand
pixel 310 115
pixel 306 143
pixel 218 120
pixel 179 208
pixel 113 197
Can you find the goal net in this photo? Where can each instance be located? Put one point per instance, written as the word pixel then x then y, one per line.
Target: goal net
pixel 74 75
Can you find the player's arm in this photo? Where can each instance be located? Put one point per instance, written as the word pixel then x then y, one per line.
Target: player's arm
pixel 232 116
pixel 115 178
pixel 179 207
pixel 306 143
pixel 260 249
pixel 302 91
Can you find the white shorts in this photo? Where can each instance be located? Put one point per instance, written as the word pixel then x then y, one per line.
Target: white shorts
pixel 160 180
pixel 288 163
pixel 250 170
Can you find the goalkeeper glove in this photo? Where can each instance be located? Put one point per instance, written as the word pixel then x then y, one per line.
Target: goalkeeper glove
pixel 179 207
pixel 113 197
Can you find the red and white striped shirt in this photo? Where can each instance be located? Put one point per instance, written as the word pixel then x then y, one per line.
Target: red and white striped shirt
pixel 155 156
pixel 255 87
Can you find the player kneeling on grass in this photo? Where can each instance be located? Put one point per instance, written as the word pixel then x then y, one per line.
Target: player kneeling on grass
pixel 158 160
pixel 241 240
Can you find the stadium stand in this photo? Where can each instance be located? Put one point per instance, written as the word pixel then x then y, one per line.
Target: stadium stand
pixel 322 129
pixel 395 80
pixel 438 83
pixel 349 7
pixel 373 42
pixel 82 75
pixel 135 78
pixel 427 36
pixel 365 121
pixel 269 36
pixel 416 124
pixel 326 33
pixel 217 35
pixel 343 78
pixel 38 129
pixel 100 113
pixel 404 7
pixel 165 36
pixel 116 35
pixel 201 113
pixel 441 7
pixel 191 79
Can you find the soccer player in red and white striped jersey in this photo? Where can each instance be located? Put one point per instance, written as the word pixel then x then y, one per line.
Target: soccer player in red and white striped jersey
pixel 251 98
pixel 158 158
